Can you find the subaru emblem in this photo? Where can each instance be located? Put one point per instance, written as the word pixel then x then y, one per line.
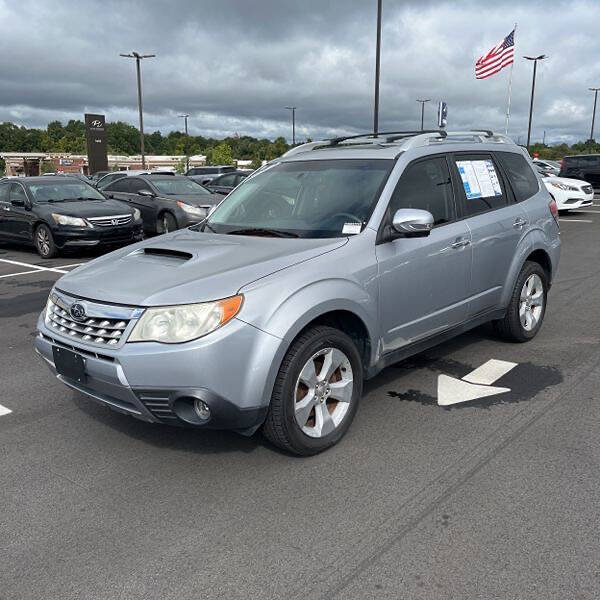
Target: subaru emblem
pixel 77 311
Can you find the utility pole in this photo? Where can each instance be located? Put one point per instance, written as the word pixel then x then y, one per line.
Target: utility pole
pixel 293 109
pixel 377 70
pixel 595 90
pixel 535 61
pixel 138 58
pixel 423 110
pixel 544 138
pixel 187 158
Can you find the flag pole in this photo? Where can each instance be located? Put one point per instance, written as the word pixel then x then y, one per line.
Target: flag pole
pixel 510 86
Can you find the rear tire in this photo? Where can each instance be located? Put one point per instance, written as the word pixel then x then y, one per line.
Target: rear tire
pixel 316 392
pixel 166 223
pixel 527 306
pixel 44 242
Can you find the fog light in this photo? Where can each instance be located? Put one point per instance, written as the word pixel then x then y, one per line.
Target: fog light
pixel 202 410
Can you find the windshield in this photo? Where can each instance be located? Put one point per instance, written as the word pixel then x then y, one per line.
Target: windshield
pixel 324 198
pixel 63 191
pixel 179 187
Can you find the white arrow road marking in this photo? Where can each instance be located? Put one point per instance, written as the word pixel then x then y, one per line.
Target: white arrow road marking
pixel 4 410
pixel 477 384
pixel 490 371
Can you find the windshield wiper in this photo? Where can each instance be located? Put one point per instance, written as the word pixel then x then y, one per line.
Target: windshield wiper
pixel 263 231
pixel 80 198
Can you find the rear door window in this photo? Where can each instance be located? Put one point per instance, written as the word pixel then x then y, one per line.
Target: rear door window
pixel 522 179
pixel 137 185
pixel 481 183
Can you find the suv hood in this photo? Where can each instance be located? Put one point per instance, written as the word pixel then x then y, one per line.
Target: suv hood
pixel 188 266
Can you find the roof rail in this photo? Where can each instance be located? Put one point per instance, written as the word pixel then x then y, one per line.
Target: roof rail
pixel 409 139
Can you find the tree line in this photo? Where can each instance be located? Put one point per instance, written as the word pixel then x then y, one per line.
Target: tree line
pixel 124 139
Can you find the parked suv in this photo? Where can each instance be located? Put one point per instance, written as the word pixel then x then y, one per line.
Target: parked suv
pixel 56 213
pixel 319 270
pixel 582 166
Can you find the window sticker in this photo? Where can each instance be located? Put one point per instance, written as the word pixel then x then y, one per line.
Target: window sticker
pixel 351 228
pixel 479 178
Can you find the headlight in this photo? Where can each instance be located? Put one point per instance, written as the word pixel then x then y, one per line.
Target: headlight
pixel 74 221
pixel 563 186
pixel 137 215
pixel 177 324
pixel 195 211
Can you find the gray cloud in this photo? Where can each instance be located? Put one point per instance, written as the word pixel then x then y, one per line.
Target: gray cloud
pixel 234 64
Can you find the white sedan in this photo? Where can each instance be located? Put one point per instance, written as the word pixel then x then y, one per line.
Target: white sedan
pixel 570 194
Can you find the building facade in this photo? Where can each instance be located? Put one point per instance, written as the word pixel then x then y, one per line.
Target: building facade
pixel 36 163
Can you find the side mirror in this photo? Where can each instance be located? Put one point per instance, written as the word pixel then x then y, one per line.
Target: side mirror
pixel 412 222
pixel 147 193
pixel 20 203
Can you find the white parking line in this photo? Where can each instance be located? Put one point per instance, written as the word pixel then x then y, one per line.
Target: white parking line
pixel 576 221
pixel 4 410
pixel 36 267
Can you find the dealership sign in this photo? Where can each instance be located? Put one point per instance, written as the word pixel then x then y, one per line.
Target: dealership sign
pixel 95 137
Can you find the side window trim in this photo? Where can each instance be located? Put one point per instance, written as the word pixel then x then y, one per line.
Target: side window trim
pixel 387 218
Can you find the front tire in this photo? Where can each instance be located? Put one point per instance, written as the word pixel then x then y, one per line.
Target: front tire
pixel 527 306
pixel 316 392
pixel 166 223
pixel 44 242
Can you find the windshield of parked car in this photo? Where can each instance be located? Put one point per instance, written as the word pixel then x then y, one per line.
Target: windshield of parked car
pixel 63 191
pixel 179 187
pixel 317 198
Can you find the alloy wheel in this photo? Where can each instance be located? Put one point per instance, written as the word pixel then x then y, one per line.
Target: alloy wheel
pixel 43 241
pixel 531 303
pixel 323 392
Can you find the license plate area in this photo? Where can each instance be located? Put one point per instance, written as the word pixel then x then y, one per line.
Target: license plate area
pixel 69 364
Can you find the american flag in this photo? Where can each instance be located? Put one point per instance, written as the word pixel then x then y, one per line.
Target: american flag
pixel 497 58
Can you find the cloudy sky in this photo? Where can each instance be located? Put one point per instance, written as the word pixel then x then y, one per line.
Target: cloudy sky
pixel 234 65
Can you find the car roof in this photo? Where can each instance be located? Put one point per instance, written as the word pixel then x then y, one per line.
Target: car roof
pixel 42 179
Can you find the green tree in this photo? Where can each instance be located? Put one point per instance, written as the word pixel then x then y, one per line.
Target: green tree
pixel 256 163
pixel 47 167
pixel 221 155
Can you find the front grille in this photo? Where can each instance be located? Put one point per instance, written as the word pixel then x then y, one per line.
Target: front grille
pixel 157 402
pixel 91 330
pixel 110 221
pixel 588 189
pixel 77 349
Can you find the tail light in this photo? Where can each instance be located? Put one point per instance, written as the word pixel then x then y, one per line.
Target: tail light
pixel 562 164
pixel 553 209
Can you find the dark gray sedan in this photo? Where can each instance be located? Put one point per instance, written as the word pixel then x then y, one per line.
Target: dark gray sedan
pixel 166 202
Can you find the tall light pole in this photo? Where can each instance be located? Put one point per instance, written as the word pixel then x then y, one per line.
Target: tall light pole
pixel 187 158
pixel 423 110
pixel 595 90
pixel 138 57
pixel 293 109
pixel 535 61
pixel 377 69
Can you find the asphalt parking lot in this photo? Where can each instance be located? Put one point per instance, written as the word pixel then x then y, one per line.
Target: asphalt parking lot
pixel 495 498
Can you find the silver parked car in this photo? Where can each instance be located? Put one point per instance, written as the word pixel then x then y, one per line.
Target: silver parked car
pixel 319 270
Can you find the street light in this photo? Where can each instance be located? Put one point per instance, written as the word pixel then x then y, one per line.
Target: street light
pixel 293 109
pixel 535 60
pixel 377 71
pixel 138 57
pixel 423 110
pixel 595 90
pixel 187 158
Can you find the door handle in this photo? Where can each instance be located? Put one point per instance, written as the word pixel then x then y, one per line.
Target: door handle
pixel 461 243
pixel 519 222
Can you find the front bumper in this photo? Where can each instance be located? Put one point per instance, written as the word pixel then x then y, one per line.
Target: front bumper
pixel 575 202
pixel 68 237
pixel 231 370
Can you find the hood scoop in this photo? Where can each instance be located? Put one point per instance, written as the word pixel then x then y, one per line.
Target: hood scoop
pixel 177 255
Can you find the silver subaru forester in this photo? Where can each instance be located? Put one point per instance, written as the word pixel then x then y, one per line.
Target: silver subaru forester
pixel 320 269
